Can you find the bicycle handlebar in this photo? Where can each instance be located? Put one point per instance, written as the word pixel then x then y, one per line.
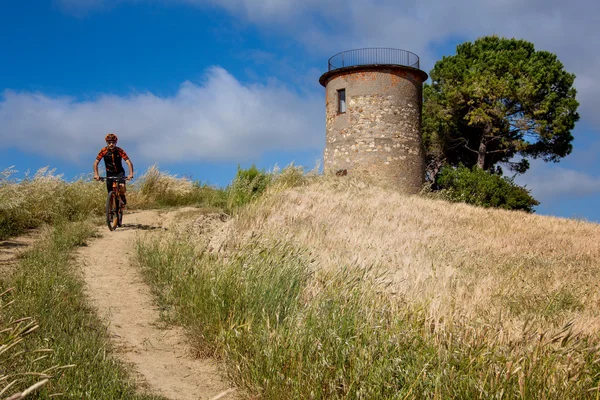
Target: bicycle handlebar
pixel 113 178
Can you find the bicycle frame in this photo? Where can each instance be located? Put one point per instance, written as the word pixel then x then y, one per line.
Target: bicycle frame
pixel 114 206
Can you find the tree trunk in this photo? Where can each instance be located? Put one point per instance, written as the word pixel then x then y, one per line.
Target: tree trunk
pixel 482 151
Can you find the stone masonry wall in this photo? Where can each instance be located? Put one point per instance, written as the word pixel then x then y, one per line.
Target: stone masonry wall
pixel 380 132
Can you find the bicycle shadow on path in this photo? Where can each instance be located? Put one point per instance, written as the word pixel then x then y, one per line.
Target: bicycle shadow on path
pixel 11 244
pixel 141 227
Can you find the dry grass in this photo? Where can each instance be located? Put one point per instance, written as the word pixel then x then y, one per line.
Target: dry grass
pixel 43 198
pixel 339 289
pixel 13 333
pixel 47 198
pixel 459 262
pixel 157 188
pixel 154 184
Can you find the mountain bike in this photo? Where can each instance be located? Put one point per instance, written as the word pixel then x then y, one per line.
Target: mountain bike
pixel 114 204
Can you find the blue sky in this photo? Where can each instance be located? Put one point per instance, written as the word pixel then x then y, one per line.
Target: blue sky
pixel 200 86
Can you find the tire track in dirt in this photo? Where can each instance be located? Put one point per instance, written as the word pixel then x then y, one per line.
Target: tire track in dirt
pixel 158 355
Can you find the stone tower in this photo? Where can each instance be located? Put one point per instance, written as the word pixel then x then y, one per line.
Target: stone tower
pixel 373 116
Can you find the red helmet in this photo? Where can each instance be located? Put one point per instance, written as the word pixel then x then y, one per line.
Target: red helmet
pixel 111 136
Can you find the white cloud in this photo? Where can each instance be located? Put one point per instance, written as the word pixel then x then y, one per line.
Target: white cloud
pixel 569 29
pixel 551 182
pixel 219 119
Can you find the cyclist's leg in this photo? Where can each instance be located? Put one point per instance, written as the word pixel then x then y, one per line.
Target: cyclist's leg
pixel 121 176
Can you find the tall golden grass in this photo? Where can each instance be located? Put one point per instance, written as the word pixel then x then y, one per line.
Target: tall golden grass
pixel 458 261
pixel 388 296
pixel 323 287
pixel 45 198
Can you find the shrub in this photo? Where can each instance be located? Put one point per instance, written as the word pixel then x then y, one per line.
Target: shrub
pixel 288 177
pixel 481 188
pixel 247 185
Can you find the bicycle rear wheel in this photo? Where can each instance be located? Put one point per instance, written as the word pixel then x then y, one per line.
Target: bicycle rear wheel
pixel 112 214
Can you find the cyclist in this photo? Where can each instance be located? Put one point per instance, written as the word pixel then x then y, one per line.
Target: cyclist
pixel 113 157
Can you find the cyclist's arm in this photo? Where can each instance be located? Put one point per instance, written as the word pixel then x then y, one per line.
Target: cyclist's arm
pixel 130 167
pixel 96 175
pixel 98 158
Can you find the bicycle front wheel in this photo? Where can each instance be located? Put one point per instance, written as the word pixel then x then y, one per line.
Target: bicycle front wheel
pixel 112 213
pixel 120 213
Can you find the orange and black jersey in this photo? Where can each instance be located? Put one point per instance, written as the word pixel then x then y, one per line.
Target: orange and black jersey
pixel 113 159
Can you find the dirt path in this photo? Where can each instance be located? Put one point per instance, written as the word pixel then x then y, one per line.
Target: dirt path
pixel 124 301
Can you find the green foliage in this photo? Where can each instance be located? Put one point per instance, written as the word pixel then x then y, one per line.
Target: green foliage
pixel 248 185
pixel 482 188
pixel 255 288
pixel 495 99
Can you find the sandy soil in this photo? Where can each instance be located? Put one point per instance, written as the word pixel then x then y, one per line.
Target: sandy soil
pixel 159 356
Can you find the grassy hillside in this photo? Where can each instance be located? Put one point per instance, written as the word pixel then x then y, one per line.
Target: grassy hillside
pixel 332 288
pixel 336 289
pixel 457 261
